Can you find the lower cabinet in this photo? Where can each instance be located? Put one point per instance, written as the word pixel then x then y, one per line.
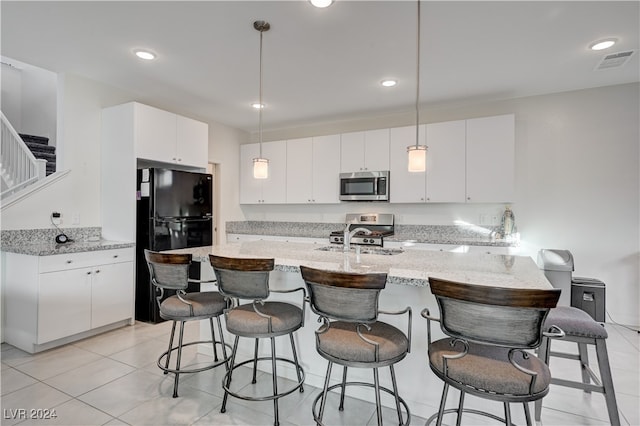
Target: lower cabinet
pixel 51 299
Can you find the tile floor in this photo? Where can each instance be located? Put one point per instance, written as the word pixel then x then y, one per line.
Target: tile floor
pixel 112 379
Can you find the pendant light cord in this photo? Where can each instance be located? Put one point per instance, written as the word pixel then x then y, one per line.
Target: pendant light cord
pixel 260 100
pixel 418 76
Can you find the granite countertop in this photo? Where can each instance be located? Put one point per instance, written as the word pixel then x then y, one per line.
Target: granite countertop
pixel 49 248
pixel 410 267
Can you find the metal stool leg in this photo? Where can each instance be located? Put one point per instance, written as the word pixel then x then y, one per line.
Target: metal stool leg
pixel 255 362
pixel 344 386
pixel 213 340
pixel 175 383
pixel 543 353
pixel 527 414
pixel 275 381
pixel 583 354
pixel 173 332
pixel 223 408
pixel 395 394
pixel 224 347
pixel 607 382
pixel 376 385
pixel 507 414
pixel 325 392
pixel 295 360
pixel 443 401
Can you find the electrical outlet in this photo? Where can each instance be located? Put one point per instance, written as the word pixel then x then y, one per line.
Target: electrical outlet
pixel 484 220
pixel 56 218
pixel 495 220
pixel 75 218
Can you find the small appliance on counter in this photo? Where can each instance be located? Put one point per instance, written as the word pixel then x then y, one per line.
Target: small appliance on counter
pixel 174 210
pixel 379 225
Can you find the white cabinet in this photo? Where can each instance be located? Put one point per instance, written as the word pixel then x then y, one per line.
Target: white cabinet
pixel 313 167
pixel 444 179
pixel 491 159
pixel 161 136
pixel 52 300
pixel 365 151
pixel 272 190
pixel 467 161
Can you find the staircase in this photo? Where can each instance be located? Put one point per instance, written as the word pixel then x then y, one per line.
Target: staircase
pixel 40 148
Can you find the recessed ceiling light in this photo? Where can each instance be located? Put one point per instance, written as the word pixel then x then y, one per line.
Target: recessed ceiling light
pixel 321 3
pixel 145 54
pixel 389 82
pixel 257 105
pixel 603 44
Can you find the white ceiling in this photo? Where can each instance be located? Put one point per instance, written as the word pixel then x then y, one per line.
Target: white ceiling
pixel 323 64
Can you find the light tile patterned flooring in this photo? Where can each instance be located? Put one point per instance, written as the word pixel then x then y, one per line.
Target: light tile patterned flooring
pixel 113 379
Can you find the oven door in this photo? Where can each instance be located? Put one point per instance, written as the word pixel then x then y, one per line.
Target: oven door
pixel 364 186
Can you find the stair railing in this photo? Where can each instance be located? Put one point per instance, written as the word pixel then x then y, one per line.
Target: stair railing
pixel 18 166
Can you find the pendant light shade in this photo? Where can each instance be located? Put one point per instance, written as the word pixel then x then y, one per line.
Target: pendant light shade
pixel 417 154
pixel 260 164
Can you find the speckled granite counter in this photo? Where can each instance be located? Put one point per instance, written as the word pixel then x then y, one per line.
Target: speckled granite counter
pixel 411 267
pixel 41 242
pixel 48 248
pixel 466 234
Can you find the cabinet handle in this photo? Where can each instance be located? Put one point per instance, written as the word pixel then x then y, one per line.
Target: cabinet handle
pixel 428 199
pixel 468 198
pixel 97 271
pixel 179 159
pixel 115 256
pixel 89 273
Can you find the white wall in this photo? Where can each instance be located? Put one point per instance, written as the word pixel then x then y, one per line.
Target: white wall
pixel 577 183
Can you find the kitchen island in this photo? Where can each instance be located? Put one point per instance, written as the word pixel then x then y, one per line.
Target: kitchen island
pixel 408 272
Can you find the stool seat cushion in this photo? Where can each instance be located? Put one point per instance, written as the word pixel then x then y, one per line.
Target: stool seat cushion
pixel 575 322
pixel 244 321
pixel 342 342
pixel 488 368
pixel 206 303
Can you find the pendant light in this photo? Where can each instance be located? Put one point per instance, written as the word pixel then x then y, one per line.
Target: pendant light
pixel 260 164
pixel 417 154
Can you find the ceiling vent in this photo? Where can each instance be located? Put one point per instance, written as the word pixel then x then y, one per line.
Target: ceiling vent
pixel 614 60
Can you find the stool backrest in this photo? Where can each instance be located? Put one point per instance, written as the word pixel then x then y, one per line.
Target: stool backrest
pixel 168 270
pixel 493 315
pixel 243 278
pixel 344 296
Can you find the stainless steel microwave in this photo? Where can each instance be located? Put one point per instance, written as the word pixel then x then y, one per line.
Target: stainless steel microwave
pixel 364 186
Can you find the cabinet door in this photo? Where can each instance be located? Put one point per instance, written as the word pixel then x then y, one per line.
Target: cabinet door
pixel 64 304
pixel 250 188
pixel 192 142
pixel 326 169
pixel 300 171
pixel 491 159
pixel 446 162
pixel 274 188
pixel 405 186
pixel 155 133
pixel 352 152
pixel 111 293
pixel 376 150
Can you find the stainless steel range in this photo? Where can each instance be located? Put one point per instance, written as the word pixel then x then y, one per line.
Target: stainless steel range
pixel 375 226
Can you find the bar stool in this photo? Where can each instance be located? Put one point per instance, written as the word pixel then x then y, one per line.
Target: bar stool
pixel 351 335
pixel 490 331
pixel 248 279
pixel 582 329
pixel 171 272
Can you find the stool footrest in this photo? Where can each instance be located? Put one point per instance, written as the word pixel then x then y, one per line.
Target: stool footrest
pixel 564 355
pixel 466 410
pixel 577 385
pixel 279 395
pixel 192 370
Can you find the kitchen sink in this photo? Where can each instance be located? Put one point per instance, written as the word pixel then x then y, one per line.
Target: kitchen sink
pixel 364 250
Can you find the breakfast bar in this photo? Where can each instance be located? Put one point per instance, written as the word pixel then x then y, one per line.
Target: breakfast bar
pixel 408 271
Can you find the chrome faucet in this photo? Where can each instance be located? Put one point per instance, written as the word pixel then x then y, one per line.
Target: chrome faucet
pixel 348 234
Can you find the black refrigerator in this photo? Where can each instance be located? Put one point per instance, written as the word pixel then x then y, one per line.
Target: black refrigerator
pixel 174 211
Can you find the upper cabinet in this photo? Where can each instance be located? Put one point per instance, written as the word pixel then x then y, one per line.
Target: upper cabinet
pixel 313 166
pixel 444 180
pixel 169 138
pixel 365 151
pixel 491 159
pixel 272 190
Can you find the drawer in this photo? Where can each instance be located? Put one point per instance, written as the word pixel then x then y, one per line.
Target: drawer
pixel 61 262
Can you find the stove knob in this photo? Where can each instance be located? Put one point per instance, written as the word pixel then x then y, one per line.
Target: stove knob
pixel 341 239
